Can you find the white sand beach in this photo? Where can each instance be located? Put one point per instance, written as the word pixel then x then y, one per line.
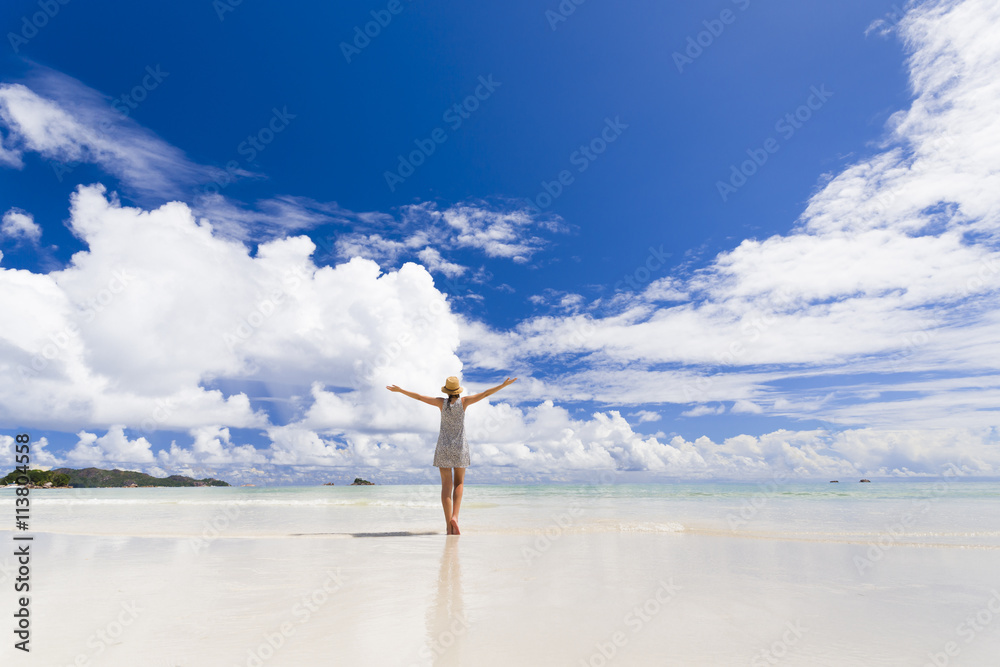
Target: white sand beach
pixel 586 592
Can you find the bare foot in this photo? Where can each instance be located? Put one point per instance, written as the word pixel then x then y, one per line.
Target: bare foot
pixel 453 525
pixel 449 529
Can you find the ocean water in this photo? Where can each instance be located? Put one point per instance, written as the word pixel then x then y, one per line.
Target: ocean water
pixel 947 512
pixel 682 574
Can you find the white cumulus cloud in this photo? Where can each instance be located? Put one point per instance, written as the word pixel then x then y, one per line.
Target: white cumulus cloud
pixel 18 224
pixel 893 267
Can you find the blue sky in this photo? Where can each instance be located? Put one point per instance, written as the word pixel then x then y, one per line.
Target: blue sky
pixel 828 312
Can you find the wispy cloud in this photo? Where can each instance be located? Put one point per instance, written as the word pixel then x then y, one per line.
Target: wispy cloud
pixel 68 123
pixel 64 121
pixel 893 267
pixel 512 233
pixel 269 218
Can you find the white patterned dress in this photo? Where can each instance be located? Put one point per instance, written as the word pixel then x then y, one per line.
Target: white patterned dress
pixel 452 449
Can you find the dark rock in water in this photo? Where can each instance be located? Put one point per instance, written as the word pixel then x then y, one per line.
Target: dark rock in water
pixel 328 484
pixel 361 482
pixel 866 480
pixel 834 481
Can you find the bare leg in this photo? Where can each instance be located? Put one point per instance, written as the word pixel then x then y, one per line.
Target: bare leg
pixel 446 491
pixel 457 500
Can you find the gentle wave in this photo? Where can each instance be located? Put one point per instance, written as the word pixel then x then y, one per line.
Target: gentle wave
pixel 554 530
pixel 873 515
pixel 647 527
pixel 547 533
pixel 987 540
pixel 262 502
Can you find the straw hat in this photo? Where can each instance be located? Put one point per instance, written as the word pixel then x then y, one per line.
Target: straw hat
pixel 451 386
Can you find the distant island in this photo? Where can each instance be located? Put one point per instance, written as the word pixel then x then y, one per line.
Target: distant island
pixel 361 482
pixel 94 478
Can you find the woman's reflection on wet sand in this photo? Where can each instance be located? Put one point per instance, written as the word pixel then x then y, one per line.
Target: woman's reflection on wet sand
pixel 446 621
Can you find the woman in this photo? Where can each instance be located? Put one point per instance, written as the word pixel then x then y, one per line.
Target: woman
pixel 452 451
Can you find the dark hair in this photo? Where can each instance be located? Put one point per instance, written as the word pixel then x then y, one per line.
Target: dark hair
pixel 451 398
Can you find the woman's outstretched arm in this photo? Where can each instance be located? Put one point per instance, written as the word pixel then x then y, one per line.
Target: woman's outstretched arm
pixel 475 398
pixel 436 402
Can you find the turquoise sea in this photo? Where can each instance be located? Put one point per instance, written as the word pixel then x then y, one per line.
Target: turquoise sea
pixel 694 573
pixel 945 511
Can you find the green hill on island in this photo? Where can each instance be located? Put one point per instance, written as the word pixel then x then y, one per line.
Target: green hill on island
pixel 93 478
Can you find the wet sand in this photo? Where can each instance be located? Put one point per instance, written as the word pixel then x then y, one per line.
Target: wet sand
pixel 598 598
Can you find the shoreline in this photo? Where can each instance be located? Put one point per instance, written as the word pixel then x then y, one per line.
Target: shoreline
pixel 704 574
